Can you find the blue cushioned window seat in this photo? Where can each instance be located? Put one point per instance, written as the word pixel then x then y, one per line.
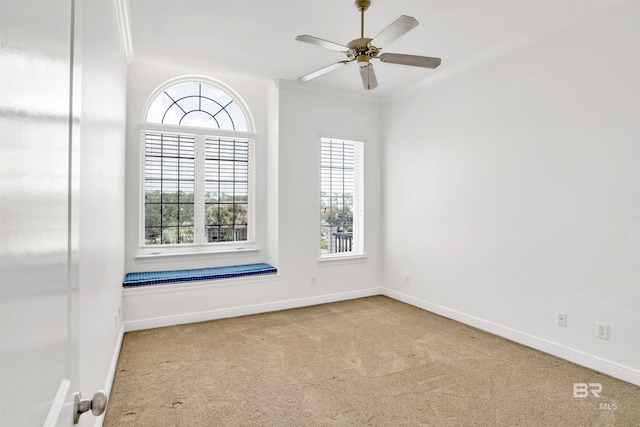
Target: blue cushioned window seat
pixel 132 280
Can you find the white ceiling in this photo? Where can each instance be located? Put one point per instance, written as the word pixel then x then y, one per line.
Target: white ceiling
pixel 256 38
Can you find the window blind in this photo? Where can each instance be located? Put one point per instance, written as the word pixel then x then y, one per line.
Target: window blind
pixel 341 196
pixel 196 189
pixel 226 192
pixel 169 184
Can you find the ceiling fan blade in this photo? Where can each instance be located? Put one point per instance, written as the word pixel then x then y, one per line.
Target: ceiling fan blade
pixel 368 77
pixel 323 43
pixel 414 60
pixel 398 28
pixel 322 71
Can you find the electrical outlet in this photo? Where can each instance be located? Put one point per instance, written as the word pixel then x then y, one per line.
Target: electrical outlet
pixel 602 330
pixel 407 279
pixel 314 281
pixel 562 319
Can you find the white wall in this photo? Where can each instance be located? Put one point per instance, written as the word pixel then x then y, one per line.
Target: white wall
pixel 101 202
pixel 288 177
pixel 512 192
pixel 305 117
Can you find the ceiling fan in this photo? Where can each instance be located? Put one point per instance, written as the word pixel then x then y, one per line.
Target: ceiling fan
pixel 363 50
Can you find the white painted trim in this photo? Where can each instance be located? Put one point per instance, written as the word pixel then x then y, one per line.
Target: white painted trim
pixel 347 259
pixel 608 367
pixel 112 372
pixel 114 360
pixel 223 313
pixel 124 25
pixel 58 403
pixel 163 254
pixel 212 132
pixel 581 358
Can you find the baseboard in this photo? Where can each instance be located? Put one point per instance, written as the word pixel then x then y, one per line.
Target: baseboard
pixel 112 372
pixel 203 316
pixel 608 367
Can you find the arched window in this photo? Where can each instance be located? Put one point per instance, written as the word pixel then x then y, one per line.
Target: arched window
pixel 196 103
pixel 197 162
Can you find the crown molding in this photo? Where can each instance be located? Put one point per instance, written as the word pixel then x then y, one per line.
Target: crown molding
pixel 124 24
pixel 506 47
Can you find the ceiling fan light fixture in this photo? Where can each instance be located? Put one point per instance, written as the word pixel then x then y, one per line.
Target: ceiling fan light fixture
pixel 363 61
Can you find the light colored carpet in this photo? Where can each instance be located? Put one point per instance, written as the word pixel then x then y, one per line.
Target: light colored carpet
pixel 367 362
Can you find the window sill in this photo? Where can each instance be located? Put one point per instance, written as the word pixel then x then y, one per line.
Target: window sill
pixel 342 259
pixel 149 255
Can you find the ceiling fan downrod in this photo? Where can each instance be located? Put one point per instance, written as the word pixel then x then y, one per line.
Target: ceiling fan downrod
pixel 362 5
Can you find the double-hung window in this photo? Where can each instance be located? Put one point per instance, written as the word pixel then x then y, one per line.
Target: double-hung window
pixel 341 198
pixel 197 146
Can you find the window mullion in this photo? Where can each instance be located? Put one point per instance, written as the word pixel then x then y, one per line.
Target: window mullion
pixel 199 208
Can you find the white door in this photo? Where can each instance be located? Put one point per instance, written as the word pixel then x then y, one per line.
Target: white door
pixel 38 233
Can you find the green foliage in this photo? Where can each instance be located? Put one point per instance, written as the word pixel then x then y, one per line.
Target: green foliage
pixel 169 217
pixel 337 210
pixel 221 218
pixel 324 242
pixel 226 211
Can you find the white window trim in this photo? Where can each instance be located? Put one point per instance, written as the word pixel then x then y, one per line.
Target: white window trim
pixel 358 220
pixel 150 252
pixel 198 248
pixel 333 258
pixel 178 129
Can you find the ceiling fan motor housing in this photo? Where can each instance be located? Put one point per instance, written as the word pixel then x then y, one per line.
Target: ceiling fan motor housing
pixel 362 50
pixel 359 45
